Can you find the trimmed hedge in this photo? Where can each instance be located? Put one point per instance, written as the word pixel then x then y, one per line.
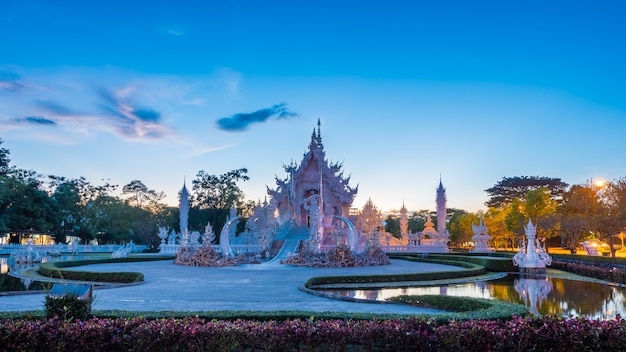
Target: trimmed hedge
pixel 498 310
pixel 591 259
pixel 194 334
pixel 613 274
pixel 449 303
pixel 491 261
pixel 55 270
pixel 464 308
pixel 469 269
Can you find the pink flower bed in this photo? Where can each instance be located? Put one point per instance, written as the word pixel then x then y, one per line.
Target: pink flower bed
pixel 193 334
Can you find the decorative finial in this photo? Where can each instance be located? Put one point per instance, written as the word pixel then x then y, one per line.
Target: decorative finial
pixel 319 129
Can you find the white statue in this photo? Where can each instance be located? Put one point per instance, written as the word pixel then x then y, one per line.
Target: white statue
pixel 313 205
pixel 209 234
pixel 162 234
pixel 532 256
pixel 481 238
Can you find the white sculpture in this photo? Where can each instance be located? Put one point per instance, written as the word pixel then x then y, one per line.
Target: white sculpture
pixel 209 234
pixel 532 256
pixel 481 238
pixel 313 205
pixel 162 234
pixel 194 238
pixel 172 237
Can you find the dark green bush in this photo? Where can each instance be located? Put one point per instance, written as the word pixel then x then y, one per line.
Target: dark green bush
pixel 443 302
pixel 491 261
pixel 68 307
pixel 465 270
pixel 55 269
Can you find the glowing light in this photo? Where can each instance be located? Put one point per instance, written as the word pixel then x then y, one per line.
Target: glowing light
pixel 4 266
pixel 599 183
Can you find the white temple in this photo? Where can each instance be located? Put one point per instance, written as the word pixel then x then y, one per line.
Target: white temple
pixel 310 206
pixel 314 193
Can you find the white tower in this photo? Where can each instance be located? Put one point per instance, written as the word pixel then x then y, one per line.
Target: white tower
pixel 183 197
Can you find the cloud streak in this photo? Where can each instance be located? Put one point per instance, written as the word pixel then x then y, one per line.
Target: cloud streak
pixel 242 121
pixel 31 120
pixel 131 120
pixel 10 81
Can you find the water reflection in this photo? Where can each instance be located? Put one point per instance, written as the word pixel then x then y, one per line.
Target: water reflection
pixel 533 291
pixel 545 295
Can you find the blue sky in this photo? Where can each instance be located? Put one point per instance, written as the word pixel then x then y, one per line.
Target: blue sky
pixel 406 91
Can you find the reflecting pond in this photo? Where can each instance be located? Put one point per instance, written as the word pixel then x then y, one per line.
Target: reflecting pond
pixel 542 295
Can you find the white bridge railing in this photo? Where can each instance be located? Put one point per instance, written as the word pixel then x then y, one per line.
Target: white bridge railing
pixel 424 248
pixel 237 248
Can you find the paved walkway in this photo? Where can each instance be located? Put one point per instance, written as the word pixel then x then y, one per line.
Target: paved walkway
pixel 250 287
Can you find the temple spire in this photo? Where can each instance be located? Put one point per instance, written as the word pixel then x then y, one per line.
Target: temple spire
pixel 441 206
pixel 319 129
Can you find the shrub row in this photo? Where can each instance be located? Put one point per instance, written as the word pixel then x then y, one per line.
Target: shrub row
pixel 591 260
pixel 496 310
pixel 613 274
pixel 449 303
pixel 465 270
pixel 55 270
pixel 192 334
pixel 491 261
pixel 464 308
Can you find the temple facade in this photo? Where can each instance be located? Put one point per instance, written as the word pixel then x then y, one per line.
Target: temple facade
pixel 315 186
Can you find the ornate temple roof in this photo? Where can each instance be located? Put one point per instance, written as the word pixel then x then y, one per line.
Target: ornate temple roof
pixel 314 168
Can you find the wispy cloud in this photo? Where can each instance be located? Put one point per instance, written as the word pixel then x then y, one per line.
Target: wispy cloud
pixel 82 104
pixel 32 120
pixel 241 121
pixel 130 120
pixel 9 81
pixel 204 150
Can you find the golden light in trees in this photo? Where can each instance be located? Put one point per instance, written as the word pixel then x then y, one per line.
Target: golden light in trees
pixel 599 183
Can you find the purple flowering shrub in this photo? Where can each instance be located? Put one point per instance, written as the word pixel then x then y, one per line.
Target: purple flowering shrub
pixel 198 334
pixel 608 273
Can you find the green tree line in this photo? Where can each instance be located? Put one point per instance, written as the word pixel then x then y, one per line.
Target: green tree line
pixel 63 207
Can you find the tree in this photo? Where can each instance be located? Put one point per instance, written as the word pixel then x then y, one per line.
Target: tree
pixel 515 218
pixel 4 160
pixel 68 210
pixel 218 192
pixel 417 221
pixel 460 226
pixel 140 193
pixel 392 225
pixel 495 219
pixel 577 214
pixel 112 219
pixel 612 218
pixel 137 189
pixel 510 188
pixel 24 205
